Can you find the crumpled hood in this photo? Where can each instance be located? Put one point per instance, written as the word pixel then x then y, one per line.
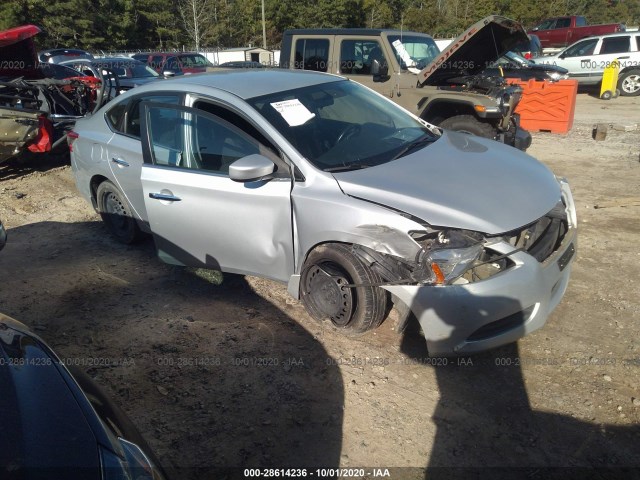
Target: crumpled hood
pixel 480 45
pixel 460 181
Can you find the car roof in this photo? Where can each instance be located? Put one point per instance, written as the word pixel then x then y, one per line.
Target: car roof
pixel 242 83
pixel 169 54
pixel 609 35
pixel 116 59
pixel 351 31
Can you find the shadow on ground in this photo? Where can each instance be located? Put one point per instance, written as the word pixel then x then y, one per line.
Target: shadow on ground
pixel 28 163
pixel 486 427
pixel 214 376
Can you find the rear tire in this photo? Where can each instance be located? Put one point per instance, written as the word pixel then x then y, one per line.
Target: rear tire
pixel 471 125
pixel 352 310
pixel 629 83
pixel 117 214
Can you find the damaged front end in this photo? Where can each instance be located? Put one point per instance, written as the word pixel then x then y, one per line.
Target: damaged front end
pixel 471 291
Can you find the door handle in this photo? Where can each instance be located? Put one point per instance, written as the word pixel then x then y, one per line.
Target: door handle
pixel 164 196
pixel 120 162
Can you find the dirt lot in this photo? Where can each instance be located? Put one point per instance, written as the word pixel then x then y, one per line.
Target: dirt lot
pixel 237 374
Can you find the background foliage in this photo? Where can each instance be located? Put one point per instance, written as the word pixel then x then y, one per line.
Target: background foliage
pixel 151 24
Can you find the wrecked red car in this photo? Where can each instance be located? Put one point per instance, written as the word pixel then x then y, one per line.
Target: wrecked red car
pixel 39 102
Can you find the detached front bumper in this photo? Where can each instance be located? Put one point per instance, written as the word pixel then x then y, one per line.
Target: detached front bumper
pixel 469 318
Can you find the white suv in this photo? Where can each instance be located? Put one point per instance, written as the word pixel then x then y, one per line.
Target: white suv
pixel 587 58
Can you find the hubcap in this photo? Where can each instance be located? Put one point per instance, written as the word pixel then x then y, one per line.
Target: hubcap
pixel 326 289
pixel 631 84
pixel 116 211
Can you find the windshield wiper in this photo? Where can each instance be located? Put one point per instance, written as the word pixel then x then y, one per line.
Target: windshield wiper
pixel 346 168
pixel 415 144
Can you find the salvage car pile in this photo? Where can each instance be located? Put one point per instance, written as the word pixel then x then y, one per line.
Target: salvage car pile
pixel 39 102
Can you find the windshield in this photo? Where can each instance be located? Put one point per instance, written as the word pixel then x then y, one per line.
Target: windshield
pixel 342 125
pixel 194 60
pixel 414 51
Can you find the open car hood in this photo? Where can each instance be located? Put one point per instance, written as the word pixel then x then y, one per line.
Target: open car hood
pixel 18 51
pixel 469 54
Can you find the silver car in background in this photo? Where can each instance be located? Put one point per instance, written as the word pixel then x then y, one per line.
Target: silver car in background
pixel 322 184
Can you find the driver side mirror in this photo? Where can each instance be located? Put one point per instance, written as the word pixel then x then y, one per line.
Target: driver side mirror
pixel 251 168
pixel 168 74
pixel 562 55
pixel 380 72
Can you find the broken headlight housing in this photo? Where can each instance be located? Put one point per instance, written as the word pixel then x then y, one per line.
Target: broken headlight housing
pixel 447 254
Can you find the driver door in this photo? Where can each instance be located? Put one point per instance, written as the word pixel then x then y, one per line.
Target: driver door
pixel 197 214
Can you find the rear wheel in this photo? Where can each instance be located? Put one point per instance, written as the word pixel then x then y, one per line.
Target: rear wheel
pixel 117 214
pixel 327 271
pixel 471 125
pixel 629 83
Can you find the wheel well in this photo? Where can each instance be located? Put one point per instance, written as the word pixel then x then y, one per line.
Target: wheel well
pixel 628 69
pixel 436 112
pixel 321 244
pixel 95 183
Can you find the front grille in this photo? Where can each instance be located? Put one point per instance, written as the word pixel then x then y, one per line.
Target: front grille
pixel 543 237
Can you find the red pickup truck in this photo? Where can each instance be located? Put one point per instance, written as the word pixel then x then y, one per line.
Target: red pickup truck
pixel 562 31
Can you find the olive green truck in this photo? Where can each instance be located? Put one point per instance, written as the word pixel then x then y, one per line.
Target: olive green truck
pixel 445 88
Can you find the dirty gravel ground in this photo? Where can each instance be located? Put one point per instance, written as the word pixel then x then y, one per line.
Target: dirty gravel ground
pixel 237 374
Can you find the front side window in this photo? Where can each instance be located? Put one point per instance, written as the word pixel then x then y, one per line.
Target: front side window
pixel 196 140
pixel 342 125
pixel 582 49
pixel 615 45
pixel 356 56
pixel 312 54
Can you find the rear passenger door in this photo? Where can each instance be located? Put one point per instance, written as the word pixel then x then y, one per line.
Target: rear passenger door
pixel 124 151
pixel 611 48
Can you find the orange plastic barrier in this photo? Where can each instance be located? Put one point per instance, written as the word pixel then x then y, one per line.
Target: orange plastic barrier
pixel 547 106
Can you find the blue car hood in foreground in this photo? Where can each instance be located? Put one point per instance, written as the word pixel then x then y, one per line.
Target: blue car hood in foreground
pixel 460 181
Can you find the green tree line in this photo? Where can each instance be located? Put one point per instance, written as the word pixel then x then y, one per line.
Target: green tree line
pixel 164 24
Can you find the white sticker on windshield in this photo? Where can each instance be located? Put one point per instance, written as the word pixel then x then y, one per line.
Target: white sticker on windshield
pixel 404 55
pixel 294 112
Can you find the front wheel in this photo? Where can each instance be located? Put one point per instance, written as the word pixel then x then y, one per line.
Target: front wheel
pixel 629 83
pixel 327 272
pixel 471 125
pixel 117 214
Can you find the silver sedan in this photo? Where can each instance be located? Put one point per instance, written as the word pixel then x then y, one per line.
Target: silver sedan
pixel 318 182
